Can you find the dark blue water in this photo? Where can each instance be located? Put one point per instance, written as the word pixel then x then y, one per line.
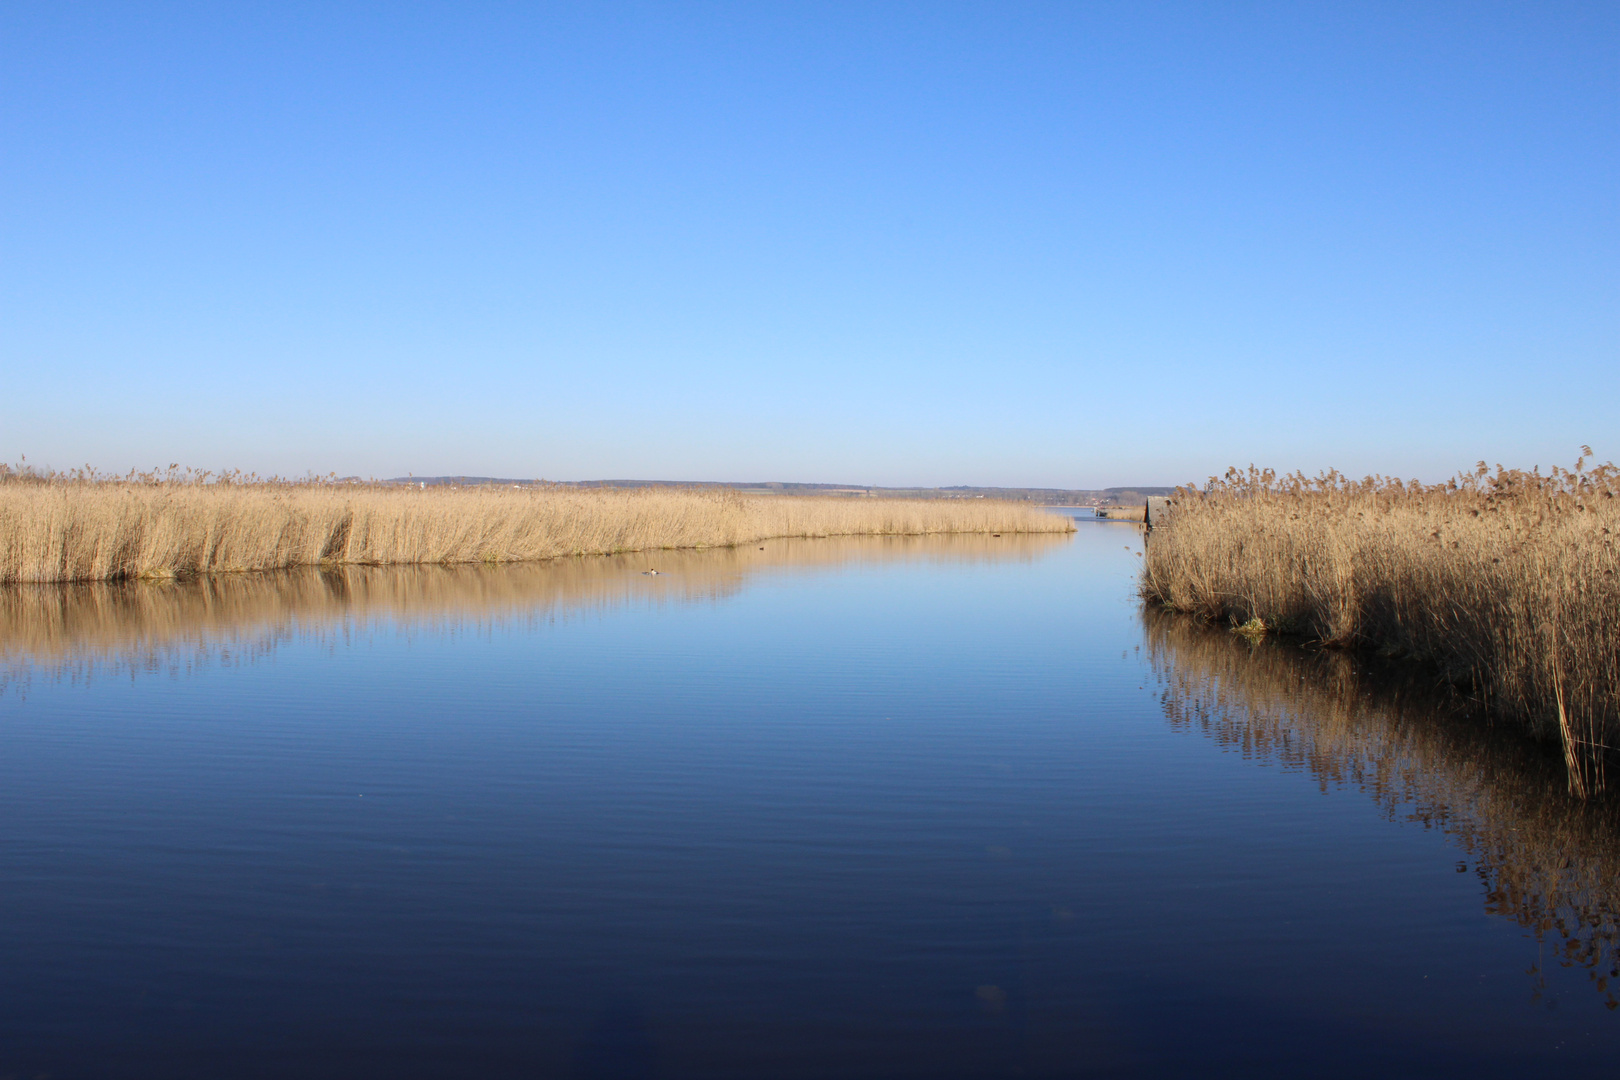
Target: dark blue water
pixel 914 810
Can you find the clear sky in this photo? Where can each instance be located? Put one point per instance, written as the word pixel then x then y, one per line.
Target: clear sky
pixel 1071 245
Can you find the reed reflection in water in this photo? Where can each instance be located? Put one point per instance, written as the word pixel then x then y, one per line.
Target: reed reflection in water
pixel 1546 860
pixel 77 630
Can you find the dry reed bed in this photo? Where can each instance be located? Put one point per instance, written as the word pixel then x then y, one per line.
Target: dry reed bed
pixel 1544 859
pixel 95 530
pixel 1506 582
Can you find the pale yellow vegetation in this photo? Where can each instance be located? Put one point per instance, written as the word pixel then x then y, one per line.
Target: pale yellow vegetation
pixel 1507 583
pixel 85 529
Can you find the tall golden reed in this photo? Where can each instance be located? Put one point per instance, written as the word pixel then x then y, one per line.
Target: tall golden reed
pixel 84 528
pixel 1508 583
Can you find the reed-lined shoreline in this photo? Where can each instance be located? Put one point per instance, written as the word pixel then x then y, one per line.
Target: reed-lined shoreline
pixel 1507 584
pixel 67 528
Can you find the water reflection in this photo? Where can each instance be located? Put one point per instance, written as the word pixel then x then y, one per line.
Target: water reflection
pixel 1547 861
pixel 75 630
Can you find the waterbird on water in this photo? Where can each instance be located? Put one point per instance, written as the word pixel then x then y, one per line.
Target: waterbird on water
pixel 647 571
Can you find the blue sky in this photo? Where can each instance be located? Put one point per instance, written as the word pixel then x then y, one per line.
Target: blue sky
pixel 1071 245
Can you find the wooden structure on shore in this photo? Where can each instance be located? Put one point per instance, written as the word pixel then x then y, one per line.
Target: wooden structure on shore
pixel 1155 513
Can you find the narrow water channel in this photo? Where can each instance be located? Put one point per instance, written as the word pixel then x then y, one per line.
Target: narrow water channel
pixel 919 807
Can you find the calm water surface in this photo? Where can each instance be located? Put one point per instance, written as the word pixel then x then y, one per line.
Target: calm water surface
pixel 954 807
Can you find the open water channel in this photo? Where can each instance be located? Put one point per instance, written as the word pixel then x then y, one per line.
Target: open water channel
pixel 871 808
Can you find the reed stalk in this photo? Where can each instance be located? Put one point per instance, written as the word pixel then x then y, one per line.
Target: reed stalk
pixel 1506 584
pixel 82 527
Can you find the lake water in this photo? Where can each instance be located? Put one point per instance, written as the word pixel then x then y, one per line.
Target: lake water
pixel 948 807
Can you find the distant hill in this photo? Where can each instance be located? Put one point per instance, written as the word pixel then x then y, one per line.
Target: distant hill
pixel 1114 496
